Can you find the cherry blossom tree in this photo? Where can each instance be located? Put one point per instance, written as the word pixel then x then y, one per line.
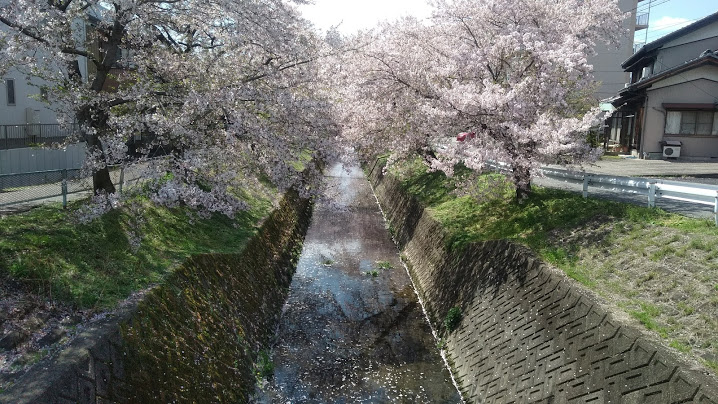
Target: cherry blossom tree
pixel 228 88
pixel 513 72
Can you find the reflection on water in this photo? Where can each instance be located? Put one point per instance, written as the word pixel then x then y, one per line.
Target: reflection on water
pixel 352 329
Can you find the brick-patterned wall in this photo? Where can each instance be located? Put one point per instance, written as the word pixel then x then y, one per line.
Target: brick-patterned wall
pixel 528 333
pixel 90 370
pixel 204 322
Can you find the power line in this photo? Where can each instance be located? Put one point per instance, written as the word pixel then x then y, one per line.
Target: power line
pixel 650 5
pixel 658 34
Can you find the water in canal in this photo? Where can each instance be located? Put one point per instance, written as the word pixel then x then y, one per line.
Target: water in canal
pixel 352 329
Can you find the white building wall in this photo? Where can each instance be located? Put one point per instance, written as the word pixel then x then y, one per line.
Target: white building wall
pixel 26 97
pixel 27 91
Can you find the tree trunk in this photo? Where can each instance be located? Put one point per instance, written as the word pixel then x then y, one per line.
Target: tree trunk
pixel 522 180
pixel 98 119
pixel 101 180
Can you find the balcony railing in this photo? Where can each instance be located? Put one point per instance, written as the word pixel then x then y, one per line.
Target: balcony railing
pixel 641 21
pixel 29 135
pixel 637 46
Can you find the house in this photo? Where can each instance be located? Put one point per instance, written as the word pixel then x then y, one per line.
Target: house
pixel 26 118
pixel 28 121
pixel 672 95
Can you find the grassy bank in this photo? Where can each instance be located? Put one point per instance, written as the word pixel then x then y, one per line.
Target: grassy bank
pixel 94 265
pixel 660 269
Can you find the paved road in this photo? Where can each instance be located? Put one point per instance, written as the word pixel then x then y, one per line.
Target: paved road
pixel 699 171
pixel 347 336
pixel 688 171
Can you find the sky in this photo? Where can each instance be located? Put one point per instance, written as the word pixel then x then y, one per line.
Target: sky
pixel 669 15
pixel 352 15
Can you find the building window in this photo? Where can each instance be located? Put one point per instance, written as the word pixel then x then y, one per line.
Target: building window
pixel 10 87
pixel 702 123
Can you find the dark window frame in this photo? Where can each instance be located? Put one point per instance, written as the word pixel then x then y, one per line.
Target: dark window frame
pixel 694 123
pixel 10 92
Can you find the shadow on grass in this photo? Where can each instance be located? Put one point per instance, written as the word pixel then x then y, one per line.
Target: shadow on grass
pixel 503 218
pixel 94 265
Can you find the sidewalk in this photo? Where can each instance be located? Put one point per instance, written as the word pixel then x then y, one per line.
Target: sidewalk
pixel 692 171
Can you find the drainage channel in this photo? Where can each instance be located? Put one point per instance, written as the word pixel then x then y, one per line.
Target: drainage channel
pixel 352 329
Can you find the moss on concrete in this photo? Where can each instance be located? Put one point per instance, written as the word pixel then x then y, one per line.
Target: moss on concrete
pixel 196 338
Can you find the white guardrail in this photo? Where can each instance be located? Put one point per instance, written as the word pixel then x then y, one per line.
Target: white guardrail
pixel 652 188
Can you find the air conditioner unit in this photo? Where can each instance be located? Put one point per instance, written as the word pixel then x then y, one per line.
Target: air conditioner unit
pixel 671 149
pixel 32 116
pixel 32 123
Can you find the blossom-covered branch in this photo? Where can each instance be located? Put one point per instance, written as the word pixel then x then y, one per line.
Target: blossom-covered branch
pixel 514 73
pixel 225 90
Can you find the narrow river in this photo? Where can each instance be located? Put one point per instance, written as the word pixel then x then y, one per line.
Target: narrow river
pixel 352 329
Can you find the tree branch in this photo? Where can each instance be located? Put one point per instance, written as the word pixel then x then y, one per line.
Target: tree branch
pixel 67 50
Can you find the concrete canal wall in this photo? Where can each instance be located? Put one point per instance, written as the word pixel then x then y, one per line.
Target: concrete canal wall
pixel 528 333
pixel 193 339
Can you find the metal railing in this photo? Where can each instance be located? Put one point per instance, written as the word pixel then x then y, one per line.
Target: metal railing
pixel 651 188
pixel 16 189
pixel 36 134
pixel 641 21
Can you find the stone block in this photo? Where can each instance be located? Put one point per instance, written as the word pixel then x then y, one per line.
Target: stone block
pixel 86 367
pixel 103 376
pixel 67 386
pixel 120 392
pixel 704 397
pixel 608 329
pixel 680 389
pixel 641 355
pixel 566 373
pixel 86 391
pixel 117 362
pixel 621 343
pixel 576 387
pixel 62 400
pixel 616 366
pixel 101 352
pixel 654 394
pixel 594 397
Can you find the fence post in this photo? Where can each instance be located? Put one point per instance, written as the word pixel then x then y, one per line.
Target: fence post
pixel 715 210
pixel 652 195
pixel 585 185
pixel 122 177
pixel 64 189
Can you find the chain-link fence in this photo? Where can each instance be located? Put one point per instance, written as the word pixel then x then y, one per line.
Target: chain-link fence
pixel 59 185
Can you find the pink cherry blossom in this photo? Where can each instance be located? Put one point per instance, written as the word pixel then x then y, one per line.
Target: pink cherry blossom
pixel 228 89
pixel 514 72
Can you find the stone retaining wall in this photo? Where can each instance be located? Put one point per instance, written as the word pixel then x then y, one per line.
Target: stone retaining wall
pixel 528 333
pixel 193 339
